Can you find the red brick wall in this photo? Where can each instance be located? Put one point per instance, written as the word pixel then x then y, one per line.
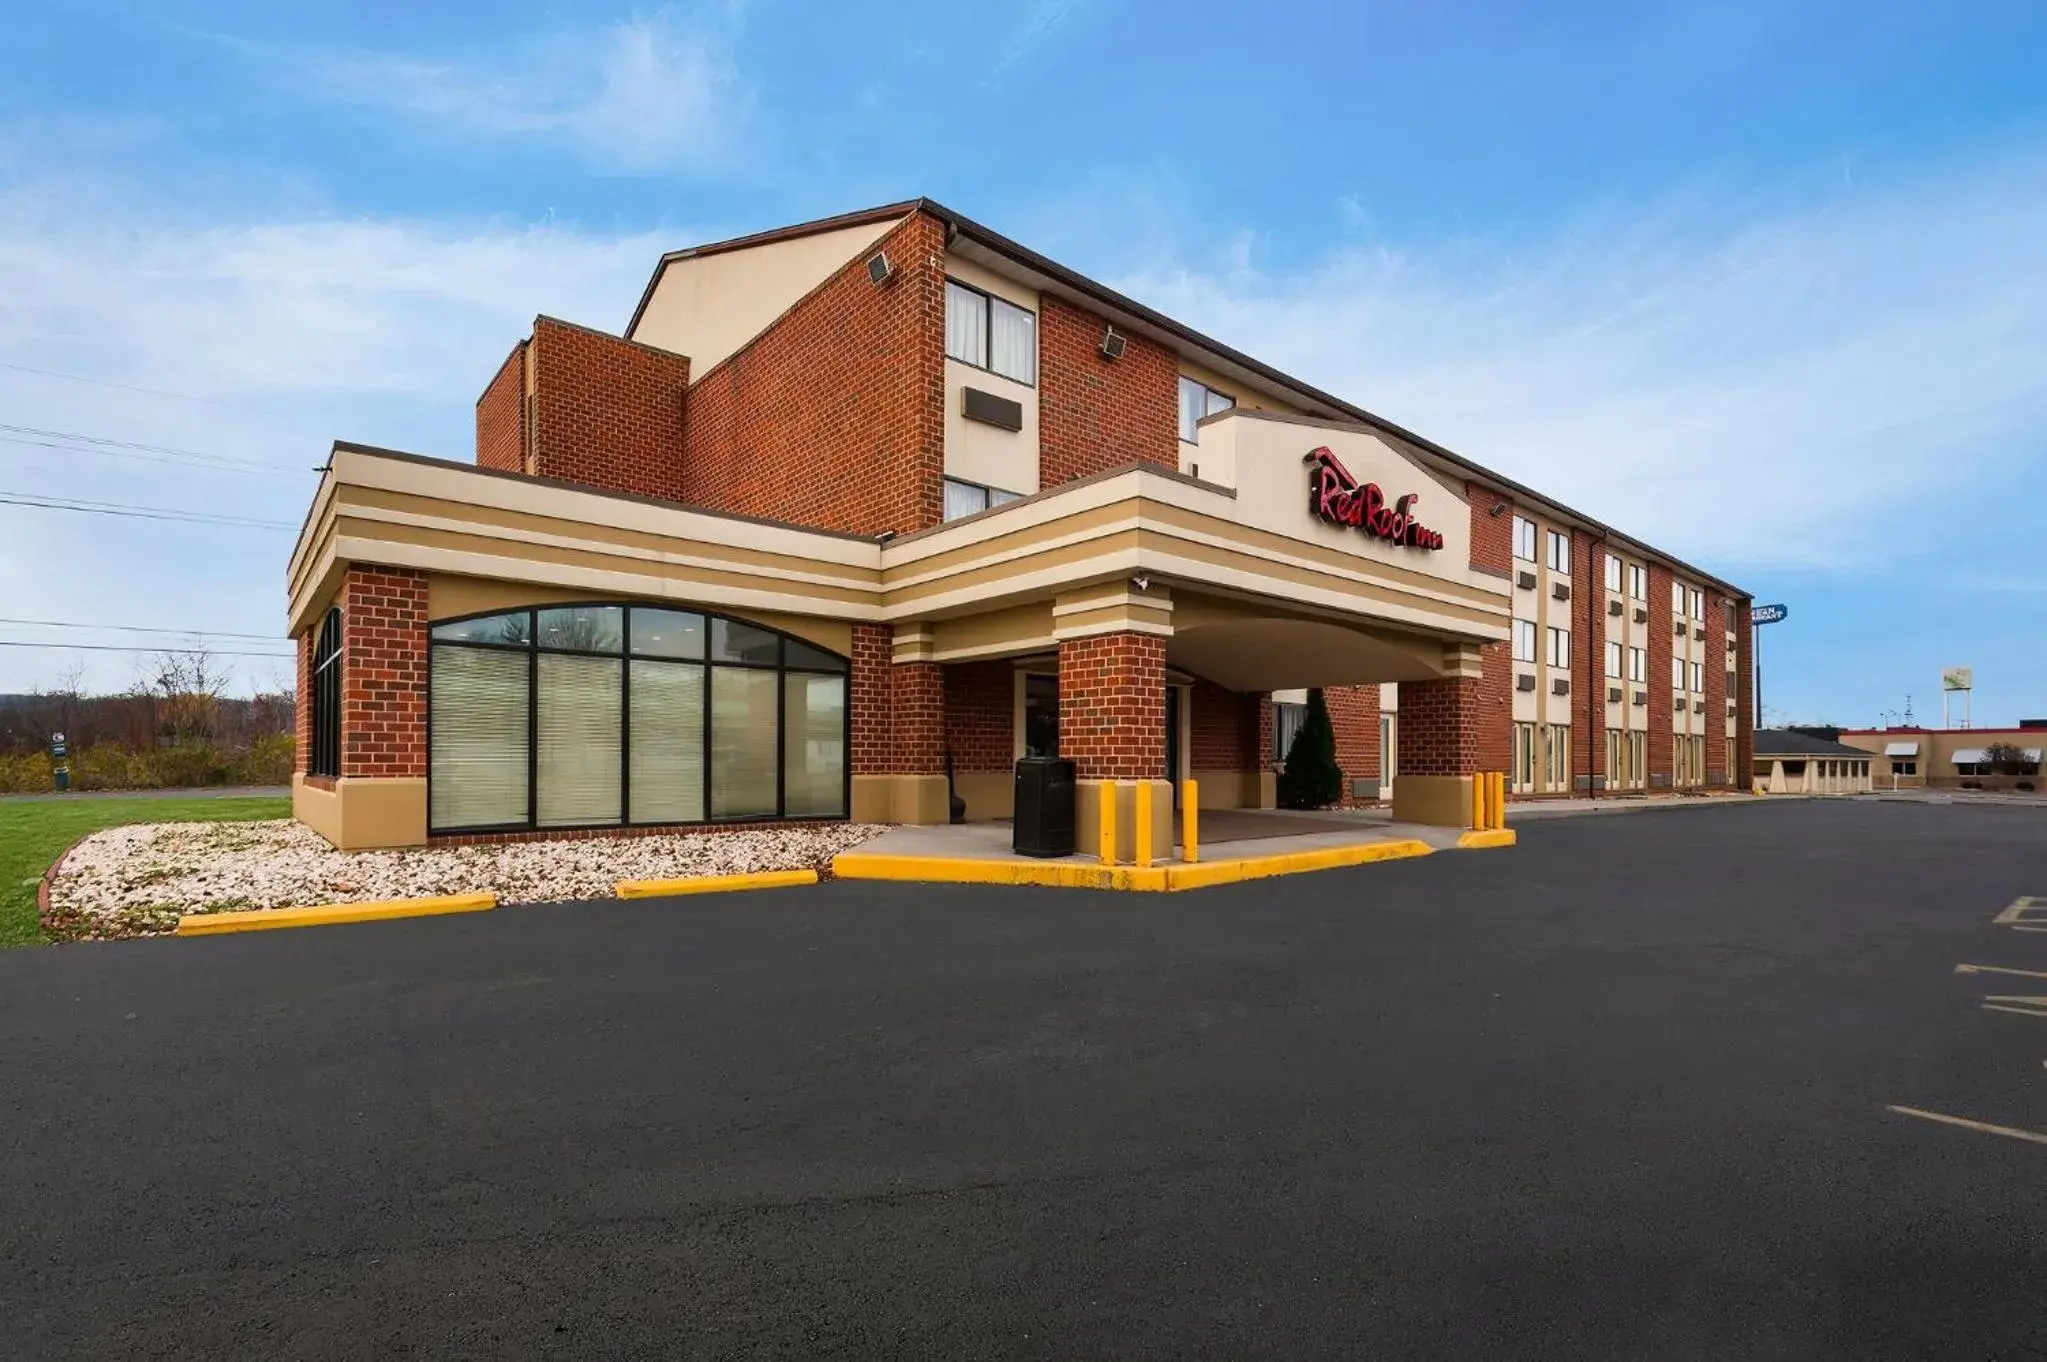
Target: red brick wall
pixel 1588 661
pixel 1716 688
pixel 1095 414
pixel 1267 733
pixel 916 718
pixel 1662 767
pixel 1492 551
pixel 834 416
pixel 980 715
pixel 383 698
pixel 501 416
pixel 302 730
pixel 1492 536
pixel 607 413
pixel 1354 714
pixel 1222 729
pixel 1745 695
pixel 869 698
pixel 1112 706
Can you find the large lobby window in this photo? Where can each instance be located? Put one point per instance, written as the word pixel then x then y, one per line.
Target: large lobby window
pixel 595 715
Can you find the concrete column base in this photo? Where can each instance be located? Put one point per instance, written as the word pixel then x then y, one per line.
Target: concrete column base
pixel 1237 789
pixel 900 799
pixel 363 814
pixel 1438 801
pixel 1087 818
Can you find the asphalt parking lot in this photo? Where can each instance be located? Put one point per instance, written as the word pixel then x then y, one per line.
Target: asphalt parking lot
pixel 1624 1091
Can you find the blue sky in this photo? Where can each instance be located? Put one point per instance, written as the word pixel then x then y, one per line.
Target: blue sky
pixel 1763 282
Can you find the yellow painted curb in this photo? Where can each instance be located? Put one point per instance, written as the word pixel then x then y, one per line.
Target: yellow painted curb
pixel 1080 875
pixel 1489 837
pixel 330 914
pixel 713 884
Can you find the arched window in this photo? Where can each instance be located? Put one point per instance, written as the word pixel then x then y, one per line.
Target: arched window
pixel 599 715
pixel 325 758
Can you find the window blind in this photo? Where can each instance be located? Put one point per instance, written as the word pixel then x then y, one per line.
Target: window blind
pixel 667 742
pixel 745 705
pixel 814 748
pixel 479 718
pixel 1013 342
pixel 966 325
pixel 578 776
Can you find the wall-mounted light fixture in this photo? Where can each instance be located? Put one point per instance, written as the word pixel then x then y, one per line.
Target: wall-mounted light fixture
pixel 1499 509
pixel 1113 343
pixel 880 267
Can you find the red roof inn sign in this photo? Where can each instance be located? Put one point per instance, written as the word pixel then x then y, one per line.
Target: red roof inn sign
pixel 1334 496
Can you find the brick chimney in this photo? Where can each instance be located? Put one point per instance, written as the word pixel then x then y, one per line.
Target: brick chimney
pixel 581 406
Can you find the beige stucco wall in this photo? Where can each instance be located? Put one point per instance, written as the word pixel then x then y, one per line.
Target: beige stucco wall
pixel 708 306
pixel 363 814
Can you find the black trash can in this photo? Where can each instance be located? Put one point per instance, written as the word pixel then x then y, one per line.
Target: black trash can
pixel 1044 807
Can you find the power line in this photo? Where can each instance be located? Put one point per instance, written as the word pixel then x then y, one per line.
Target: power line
pixel 75 442
pixel 138 629
pixel 109 383
pixel 140 512
pixel 133 648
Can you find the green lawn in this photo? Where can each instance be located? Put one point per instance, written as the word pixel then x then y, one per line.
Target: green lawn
pixel 35 833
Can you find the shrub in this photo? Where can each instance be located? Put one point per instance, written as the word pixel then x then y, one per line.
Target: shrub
pixel 107 766
pixel 267 762
pixel 187 763
pixel 1311 778
pixel 25 773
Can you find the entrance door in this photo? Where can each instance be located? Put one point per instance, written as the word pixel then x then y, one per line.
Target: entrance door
pixel 1173 741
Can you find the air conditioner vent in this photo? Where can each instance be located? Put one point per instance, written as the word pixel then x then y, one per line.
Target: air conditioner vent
pixel 1613 695
pixel 1525 580
pixel 1613 607
pixel 1560 590
pixel 1560 686
pixel 1524 681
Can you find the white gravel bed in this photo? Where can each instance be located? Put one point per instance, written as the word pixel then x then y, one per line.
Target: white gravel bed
pixel 137 880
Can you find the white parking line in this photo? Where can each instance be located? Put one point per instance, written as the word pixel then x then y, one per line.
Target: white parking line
pixel 2023 915
pixel 2000 969
pixel 2012 1132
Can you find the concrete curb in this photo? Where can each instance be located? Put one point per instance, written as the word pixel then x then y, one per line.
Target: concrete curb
pixel 855 865
pixel 1481 838
pixel 331 914
pixel 713 884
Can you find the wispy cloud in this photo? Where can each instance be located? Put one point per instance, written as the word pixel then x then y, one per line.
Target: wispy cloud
pixel 658 93
pixel 1829 378
pixel 293 331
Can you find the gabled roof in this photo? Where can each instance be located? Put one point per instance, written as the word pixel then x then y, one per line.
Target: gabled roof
pixel 1137 317
pixel 1784 742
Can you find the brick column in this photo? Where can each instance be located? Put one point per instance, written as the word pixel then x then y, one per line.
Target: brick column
pixel 383 697
pixel 1588 663
pixel 1112 706
pixel 870 700
pixel 1660 691
pixel 302 727
pixel 1716 689
pixel 917 718
pixel 1354 715
pixel 1443 727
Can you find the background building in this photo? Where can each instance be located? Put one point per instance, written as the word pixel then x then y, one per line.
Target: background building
pixel 1952 758
pixel 1794 761
pixel 858 512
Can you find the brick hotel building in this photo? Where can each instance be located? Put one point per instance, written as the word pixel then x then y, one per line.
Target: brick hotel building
pixel 857 512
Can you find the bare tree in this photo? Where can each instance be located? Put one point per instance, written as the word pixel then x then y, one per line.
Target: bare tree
pixel 2007 759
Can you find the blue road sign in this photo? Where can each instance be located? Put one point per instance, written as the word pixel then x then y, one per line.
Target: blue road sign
pixel 1767 614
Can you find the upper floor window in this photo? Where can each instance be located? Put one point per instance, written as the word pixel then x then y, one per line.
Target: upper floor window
pixel 1638 664
pixel 1559 553
pixel 1197 400
pixel 1613 573
pixel 1524 640
pixel 1524 539
pixel 1677 598
pixel 971 498
pixel 1699 605
pixel 989 333
pixel 1638 582
pixel 1613 660
pixel 1560 648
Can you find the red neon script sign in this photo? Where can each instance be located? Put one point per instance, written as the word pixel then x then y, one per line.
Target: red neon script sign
pixel 1334 496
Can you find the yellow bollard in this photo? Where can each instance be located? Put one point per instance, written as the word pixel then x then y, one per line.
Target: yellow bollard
pixel 1141 841
pixel 1108 834
pixel 1190 822
pixel 1499 800
pixel 1478 800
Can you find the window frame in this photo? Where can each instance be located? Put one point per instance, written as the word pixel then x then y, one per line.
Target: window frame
pixel 1638 582
pixel 1613 573
pixel 1206 409
pixel 1559 643
pixel 988 494
pixel 1638 666
pixel 1523 523
pixel 986 363
pixel 1524 628
pixel 533 649
pixel 326 679
pixel 1557 552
